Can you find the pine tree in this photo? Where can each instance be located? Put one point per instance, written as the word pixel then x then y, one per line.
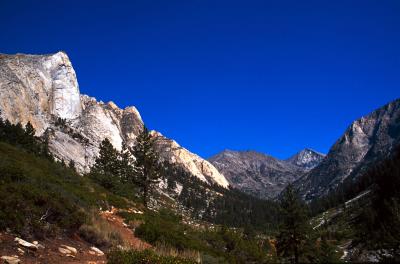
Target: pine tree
pixel 29 130
pixel 106 170
pixel 126 169
pixel 146 164
pixel 107 161
pixel 294 228
pixel 71 165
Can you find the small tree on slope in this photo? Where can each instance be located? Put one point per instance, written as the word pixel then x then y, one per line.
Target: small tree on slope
pixel 106 169
pixel 146 164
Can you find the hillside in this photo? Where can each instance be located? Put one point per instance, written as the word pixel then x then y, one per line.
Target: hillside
pixel 44 90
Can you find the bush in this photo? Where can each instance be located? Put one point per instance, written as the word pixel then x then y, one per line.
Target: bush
pixel 99 232
pixel 144 257
pixel 164 228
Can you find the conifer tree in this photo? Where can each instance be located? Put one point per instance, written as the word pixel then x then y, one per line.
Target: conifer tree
pixel 126 169
pixel 29 130
pixel 106 169
pixel 71 165
pixel 107 161
pixel 294 228
pixel 29 140
pixel 146 164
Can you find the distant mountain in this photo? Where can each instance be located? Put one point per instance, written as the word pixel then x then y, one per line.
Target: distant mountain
pixel 261 175
pixel 307 159
pixel 367 140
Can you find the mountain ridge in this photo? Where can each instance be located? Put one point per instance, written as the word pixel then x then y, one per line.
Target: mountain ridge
pixel 256 173
pixel 43 90
pixel 366 141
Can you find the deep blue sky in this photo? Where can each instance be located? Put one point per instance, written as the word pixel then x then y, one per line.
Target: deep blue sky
pixel 272 76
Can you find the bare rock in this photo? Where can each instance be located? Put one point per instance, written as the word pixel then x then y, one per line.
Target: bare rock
pixel 96 251
pixel 67 250
pixel 43 89
pixel 26 244
pixel 11 259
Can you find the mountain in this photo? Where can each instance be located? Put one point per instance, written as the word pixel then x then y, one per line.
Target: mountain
pixel 43 89
pixel 261 175
pixel 365 142
pixel 307 159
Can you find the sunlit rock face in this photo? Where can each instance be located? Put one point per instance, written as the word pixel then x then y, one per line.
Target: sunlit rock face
pixel 365 142
pixel 43 89
pixel 171 151
pixel 35 88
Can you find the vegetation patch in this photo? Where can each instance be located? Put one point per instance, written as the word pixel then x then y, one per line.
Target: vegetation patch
pixel 144 257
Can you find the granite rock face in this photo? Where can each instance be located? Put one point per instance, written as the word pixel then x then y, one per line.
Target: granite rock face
pixel 43 89
pixel 35 88
pixel 367 140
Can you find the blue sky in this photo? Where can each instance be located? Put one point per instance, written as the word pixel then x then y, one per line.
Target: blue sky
pixel 271 76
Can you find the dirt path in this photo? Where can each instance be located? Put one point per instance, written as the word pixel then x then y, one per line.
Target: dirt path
pixel 125 232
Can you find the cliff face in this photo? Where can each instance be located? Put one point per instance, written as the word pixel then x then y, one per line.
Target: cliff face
pixel 35 88
pixel 43 89
pixel 367 140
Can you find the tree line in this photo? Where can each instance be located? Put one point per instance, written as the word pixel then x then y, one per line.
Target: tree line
pixel 24 137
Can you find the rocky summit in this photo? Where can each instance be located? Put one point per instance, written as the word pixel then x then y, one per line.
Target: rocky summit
pixel 43 89
pixel 261 175
pixel 366 141
pixel 307 159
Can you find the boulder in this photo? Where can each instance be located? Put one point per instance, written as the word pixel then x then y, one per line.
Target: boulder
pixel 26 244
pixel 11 259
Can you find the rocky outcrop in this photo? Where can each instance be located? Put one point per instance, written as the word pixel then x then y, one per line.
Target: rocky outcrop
pixel 43 89
pixel 367 140
pixel 257 174
pixel 174 153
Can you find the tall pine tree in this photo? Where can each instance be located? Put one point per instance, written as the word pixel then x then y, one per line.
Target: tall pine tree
pixel 295 228
pixel 147 169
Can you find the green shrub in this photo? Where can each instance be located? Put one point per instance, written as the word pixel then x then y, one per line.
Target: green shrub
pixel 164 227
pixel 143 257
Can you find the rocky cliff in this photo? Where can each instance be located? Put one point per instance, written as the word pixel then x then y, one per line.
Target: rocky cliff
pixel 367 140
pixel 261 175
pixel 43 89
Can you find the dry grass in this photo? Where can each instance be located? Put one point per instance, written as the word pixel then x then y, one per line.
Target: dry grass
pixel 166 250
pixel 100 232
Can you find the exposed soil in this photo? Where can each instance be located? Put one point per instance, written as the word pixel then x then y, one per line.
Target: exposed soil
pixel 125 232
pixel 51 255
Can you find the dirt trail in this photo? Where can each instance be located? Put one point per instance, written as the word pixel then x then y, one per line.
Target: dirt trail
pixel 125 232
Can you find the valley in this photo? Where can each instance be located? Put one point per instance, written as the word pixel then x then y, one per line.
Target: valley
pixel 79 172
